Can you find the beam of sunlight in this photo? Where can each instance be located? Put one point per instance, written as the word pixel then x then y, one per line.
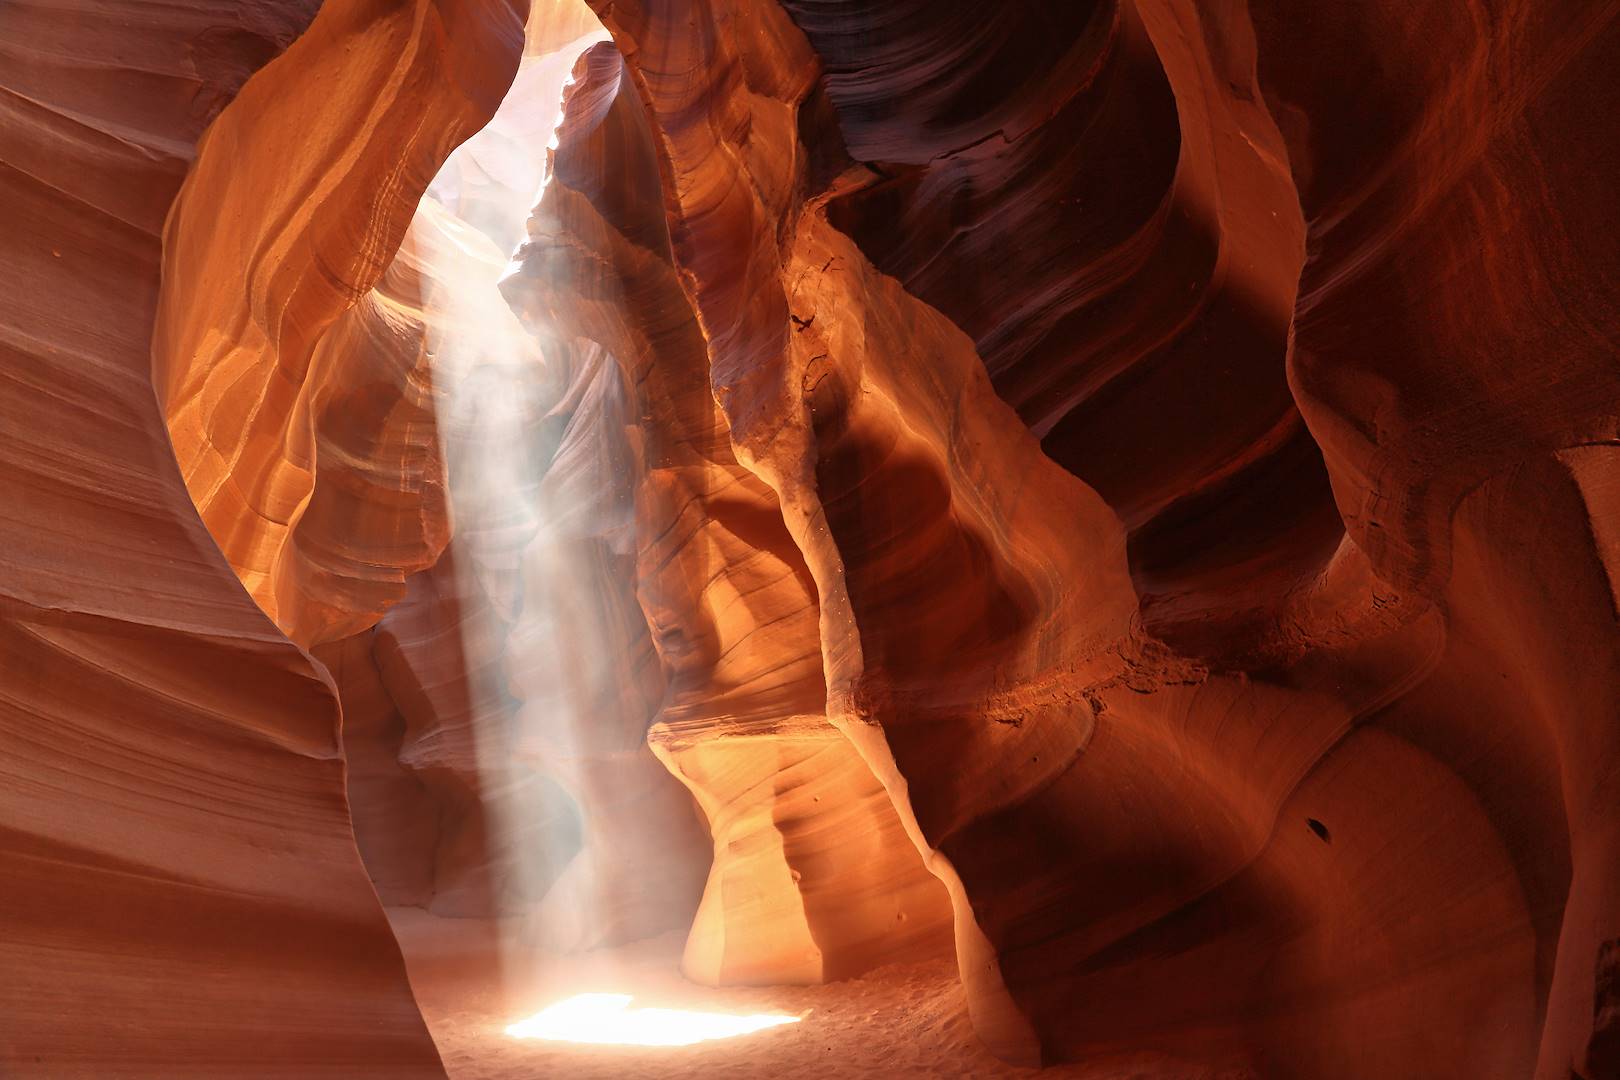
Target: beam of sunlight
pixel 608 1018
pixel 515 560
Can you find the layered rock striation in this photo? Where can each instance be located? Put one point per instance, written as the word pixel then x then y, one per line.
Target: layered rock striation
pixel 183 894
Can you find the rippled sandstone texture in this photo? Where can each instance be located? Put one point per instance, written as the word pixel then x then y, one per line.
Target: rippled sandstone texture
pixel 1150 465
pixel 1225 712
pixel 812 876
pixel 182 891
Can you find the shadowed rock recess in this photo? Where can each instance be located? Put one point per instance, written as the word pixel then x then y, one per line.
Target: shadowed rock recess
pixel 1122 496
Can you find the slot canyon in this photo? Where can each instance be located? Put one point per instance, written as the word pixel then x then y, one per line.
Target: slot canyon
pixel 810 538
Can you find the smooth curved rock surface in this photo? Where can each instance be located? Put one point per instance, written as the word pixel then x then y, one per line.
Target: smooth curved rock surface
pixel 812 876
pixel 305 367
pixel 182 892
pixel 1193 720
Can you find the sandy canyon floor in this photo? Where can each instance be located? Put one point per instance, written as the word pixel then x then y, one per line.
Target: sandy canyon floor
pixel 900 1021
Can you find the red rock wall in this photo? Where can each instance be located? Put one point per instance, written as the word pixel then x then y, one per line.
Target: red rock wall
pixel 1248 803
pixel 300 405
pixel 813 877
pixel 1455 333
pixel 182 893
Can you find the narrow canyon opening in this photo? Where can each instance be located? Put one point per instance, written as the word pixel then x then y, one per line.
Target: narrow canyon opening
pixel 589 768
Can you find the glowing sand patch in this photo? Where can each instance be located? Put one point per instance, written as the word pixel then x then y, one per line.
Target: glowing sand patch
pixel 608 1018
